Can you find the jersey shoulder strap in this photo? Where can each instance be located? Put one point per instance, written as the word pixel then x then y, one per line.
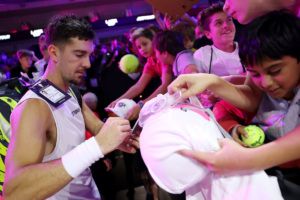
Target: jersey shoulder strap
pixel 76 92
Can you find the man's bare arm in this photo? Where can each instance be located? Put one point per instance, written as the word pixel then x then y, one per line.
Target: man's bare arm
pixel 31 121
pixel 92 122
pixel 26 177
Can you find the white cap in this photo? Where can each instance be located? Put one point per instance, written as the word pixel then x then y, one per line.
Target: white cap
pixel 122 107
pixel 160 102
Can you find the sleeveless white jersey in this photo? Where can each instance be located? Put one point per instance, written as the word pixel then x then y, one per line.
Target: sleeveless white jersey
pixel 70 130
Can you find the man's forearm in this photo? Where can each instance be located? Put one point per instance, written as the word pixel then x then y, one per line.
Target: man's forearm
pixel 37 181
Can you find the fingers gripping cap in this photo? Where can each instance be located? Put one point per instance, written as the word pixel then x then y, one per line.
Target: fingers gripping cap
pixel 122 107
pixel 157 104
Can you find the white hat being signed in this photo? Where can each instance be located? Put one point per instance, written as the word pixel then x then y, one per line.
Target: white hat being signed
pixel 122 107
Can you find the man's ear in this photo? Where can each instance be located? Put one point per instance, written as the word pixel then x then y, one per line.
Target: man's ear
pixel 53 52
pixel 207 34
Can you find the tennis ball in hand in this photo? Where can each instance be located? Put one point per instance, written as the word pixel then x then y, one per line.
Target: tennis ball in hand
pixel 129 63
pixel 256 136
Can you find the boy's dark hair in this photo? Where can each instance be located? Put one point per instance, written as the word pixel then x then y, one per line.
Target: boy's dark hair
pixel 141 32
pixel 186 29
pixel 272 36
pixel 62 28
pixel 207 13
pixel 168 41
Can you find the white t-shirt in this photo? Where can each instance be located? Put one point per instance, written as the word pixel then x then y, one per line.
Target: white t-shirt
pixel 223 63
pixel 182 60
pixel 40 65
pixel 168 129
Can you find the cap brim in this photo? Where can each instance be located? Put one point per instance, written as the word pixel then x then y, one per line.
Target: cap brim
pixel 111 110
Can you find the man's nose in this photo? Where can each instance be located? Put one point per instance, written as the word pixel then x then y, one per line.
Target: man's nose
pixel 87 62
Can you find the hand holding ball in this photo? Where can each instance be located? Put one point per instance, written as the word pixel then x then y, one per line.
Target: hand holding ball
pixel 256 136
pixel 129 63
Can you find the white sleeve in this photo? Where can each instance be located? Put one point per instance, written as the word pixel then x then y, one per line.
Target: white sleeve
pixel 183 59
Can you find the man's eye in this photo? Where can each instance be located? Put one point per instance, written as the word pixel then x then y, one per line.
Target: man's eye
pixel 79 55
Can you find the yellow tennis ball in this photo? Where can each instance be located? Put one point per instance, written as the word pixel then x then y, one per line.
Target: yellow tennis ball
pixel 129 63
pixel 256 136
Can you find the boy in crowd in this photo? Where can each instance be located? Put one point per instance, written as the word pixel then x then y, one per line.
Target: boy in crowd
pixel 222 57
pixel 169 50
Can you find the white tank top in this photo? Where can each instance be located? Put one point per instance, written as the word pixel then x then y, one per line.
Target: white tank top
pixel 70 133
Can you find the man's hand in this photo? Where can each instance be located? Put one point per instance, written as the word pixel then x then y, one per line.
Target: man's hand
pixel 130 144
pixel 114 131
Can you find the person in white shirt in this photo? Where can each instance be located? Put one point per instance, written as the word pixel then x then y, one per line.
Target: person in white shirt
pixel 221 58
pixel 42 63
pixel 169 50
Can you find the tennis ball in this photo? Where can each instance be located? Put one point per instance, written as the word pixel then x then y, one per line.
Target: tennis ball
pixel 256 136
pixel 129 63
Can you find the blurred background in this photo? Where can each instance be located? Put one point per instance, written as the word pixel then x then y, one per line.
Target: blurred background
pixel 22 20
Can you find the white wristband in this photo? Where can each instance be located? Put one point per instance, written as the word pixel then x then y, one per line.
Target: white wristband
pixel 81 157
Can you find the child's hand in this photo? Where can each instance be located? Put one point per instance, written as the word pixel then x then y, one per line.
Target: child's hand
pixel 237 132
pixel 133 113
pixel 192 84
pixel 231 157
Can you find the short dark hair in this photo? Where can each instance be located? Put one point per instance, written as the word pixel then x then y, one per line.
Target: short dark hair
pixel 207 13
pixel 169 41
pixel 62 28
pixel 187 30
pixel 135 33
pixel 272 36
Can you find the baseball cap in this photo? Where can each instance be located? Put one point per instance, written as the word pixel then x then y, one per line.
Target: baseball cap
pixel 160 102
pixel 122 107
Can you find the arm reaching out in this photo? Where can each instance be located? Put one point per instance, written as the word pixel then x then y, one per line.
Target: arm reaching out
pixel 242 96
pixel 234 157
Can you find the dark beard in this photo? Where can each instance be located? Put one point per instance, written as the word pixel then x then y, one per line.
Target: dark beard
pixel 75 83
